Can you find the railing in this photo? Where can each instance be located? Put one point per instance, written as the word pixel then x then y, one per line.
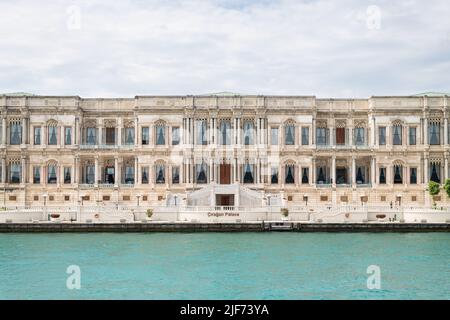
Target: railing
pixel 323 185
pixel 86 186
pixel 363 185
pixel 106 185
pixel 127 185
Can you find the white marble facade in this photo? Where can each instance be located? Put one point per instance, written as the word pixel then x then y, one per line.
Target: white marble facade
pixel 69 150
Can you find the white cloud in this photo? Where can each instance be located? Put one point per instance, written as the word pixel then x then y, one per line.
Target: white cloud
pixel 321 47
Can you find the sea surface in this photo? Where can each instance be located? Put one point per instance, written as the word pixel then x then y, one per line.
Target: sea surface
pixel 225 266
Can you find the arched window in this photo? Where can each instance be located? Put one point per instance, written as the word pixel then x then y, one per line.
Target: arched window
pixel 435 172
pixel 200 173
pixel 289 134
pixel 289 174
pixel 225 132
pixel 248 173
pixel 160 134
pixel 160 173
pixel 52 139
pixel 201 132
pixel 398 174
pixel 15 134
pixel 15 171
pixel 51 173
pixel 274 175
pixel 434 131
pixel 321 175
pixel 397 133
pixel 90 173
pixel 129 172
pixel 248 133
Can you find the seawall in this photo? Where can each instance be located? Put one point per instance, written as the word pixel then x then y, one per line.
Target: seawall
pixel 222 227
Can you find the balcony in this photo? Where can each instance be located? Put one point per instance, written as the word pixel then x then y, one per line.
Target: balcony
pixel 364 185
pixel 323 185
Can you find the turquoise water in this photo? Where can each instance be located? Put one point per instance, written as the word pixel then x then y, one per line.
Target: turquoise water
pixel 225 265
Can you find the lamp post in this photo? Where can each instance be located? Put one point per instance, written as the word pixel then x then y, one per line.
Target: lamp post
pixel 45 217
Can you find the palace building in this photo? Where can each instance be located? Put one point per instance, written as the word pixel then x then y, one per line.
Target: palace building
pixel 222 150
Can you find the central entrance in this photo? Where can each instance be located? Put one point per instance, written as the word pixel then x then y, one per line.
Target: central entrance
pixel 225 173
pixel 224 199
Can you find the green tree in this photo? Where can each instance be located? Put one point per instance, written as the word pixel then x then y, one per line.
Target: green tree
pixel 433 188
pixel 447 187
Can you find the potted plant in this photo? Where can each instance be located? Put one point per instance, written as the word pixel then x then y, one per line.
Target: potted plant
pixel 149 213
pixel 285 213
pixel 54 216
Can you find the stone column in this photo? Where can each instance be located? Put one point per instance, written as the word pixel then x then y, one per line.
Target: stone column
pixel 211 170
pixel 100 135
pixel 77 134
pixel 96 171
pixel 445 130
pixel 116 172
pixel 372 172
pixel 24 130
pixel 425 131
pixel 373 132
pixel 313 171
pixel 353 171
pixel 333 170
pixel 446 166
pixel 119 132
pixel 425 170
pixel 4 124
pixel 239 133
pixel 137 179
pixel 3 170
pixel 136 132
pixel 24 171
pixel 76 170
pixel 350 135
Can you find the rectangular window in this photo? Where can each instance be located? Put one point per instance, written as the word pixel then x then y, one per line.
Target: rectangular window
pixel 67 175
pixel 397 135
pixel 51 174
pixel 144 175
pixel 129 175
pixel 37 136
pixel 89 174
pixel 160 174
pixel 36 175
pixel 434 133
pixel 145 136
pixel 248 133
pixel 129 136
pixel 413 175
pixel 175 136
pixel 52 137
pixel 359 136
pixel 15 172
pixel 274 136
pixel 321 136
pixel 382 136
pixel 90 136
pixel 225 133
pixel 305 175
pixel 110 136
pixel 201 132
pixel 305 136
pixel 382 177
pixel 160 131
pixel 15 133
pixel 175 175
pixel 289 135
pixel 274 175
pixel 412 136
pixel 67 136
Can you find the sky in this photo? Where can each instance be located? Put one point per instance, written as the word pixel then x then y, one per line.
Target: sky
pixel 326 48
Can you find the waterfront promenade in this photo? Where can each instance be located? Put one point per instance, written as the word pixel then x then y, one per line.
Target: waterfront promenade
pixel 218 218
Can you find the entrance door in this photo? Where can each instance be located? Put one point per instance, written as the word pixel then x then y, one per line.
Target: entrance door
pixel 225 173
pixel 225 200
pixel 340 136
